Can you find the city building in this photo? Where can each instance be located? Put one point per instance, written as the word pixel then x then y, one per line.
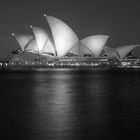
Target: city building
pixel 60 46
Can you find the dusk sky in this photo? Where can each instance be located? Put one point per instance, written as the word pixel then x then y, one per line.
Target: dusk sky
pixel 118 19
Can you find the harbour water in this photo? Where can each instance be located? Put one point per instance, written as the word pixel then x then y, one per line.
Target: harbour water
pixel 65 104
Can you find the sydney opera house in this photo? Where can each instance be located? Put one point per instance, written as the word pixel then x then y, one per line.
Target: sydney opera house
pixel 60 46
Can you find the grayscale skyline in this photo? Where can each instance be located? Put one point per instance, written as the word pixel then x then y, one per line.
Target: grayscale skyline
pixel 118 19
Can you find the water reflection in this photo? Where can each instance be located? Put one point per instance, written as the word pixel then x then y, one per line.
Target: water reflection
pixel 90 106
pixel 124 104
pixel 70 105
pixel 52 97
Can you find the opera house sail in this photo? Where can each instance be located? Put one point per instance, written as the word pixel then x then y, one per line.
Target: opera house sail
pixel 63 35
pixel 123 51
pixel 23 40
pixel 58 45
pixel 95 43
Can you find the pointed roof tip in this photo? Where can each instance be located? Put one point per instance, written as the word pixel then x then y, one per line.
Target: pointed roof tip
pixel 107 36
pixel 12 34
pixel 44 15
pixel 61 38
pixel 48 16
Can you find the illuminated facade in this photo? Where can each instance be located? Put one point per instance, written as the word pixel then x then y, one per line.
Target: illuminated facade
pixel 123 51
pixel 59 45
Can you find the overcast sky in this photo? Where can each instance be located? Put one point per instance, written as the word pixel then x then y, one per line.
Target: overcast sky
pixel 119 19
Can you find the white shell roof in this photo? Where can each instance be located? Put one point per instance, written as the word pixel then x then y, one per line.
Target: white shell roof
pixel 32 46
pixel 41 37
pixel 95 43
pixel 23 40
pixel 80 49
pixel 110 52
pixel 49 47
pixel 64 37
pixel 123 51
pixel 75 49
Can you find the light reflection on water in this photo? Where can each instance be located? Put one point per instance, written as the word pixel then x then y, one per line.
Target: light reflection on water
pixel 69 105
pixel 53 101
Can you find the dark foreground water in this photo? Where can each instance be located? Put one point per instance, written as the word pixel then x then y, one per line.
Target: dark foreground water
pixel 69 105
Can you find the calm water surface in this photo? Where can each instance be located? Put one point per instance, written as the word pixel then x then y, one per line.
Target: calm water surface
pixel 69 105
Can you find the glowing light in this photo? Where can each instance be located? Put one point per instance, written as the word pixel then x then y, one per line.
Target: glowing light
pixel 96 64
pixel 13 34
